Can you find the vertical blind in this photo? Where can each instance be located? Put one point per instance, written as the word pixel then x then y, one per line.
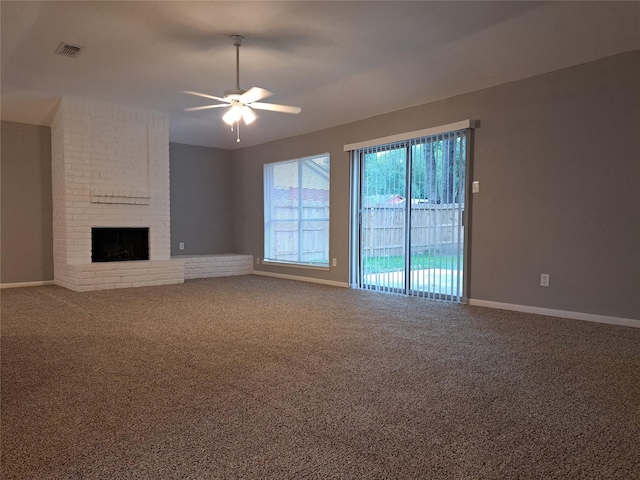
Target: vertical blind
pixel 409 200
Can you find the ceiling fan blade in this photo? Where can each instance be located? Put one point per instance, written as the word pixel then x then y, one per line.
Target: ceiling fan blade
pixel 212 97
pixel 274 107
pixel 254 94
pixel 205 107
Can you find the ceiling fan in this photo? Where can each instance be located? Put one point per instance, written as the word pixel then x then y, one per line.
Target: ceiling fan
pixel 242 102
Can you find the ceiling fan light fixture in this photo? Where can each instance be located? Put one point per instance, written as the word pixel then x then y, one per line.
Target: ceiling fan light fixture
pixel 233 114
pixel 248 115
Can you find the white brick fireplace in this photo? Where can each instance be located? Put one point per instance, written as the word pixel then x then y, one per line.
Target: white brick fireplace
pixel 110 168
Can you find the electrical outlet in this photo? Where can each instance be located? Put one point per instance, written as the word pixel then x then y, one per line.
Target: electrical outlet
pixel 544 279
pixel 181 245
pixel 257 261
pixel 334 262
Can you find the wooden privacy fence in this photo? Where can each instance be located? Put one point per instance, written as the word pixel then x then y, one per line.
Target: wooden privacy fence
pixel 434 228
pixel 305 240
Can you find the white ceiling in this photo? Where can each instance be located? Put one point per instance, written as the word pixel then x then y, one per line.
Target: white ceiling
pixel 339 61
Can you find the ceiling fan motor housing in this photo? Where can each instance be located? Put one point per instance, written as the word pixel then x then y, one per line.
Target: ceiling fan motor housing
pixel 233 94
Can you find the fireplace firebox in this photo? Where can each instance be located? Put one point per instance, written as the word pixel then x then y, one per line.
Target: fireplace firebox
pixel 119 244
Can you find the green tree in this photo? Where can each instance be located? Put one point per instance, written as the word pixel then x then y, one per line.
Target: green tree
pixel 385 173
pixel 435 171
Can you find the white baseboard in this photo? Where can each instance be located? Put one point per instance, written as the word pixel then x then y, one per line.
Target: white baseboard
pixel 589 317
pixel 26 284
pixel 301 279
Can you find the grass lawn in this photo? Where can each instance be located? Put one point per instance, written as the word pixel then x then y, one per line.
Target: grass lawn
pixel 420 261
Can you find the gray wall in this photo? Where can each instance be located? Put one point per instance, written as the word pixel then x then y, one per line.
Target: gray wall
pixel 26 239
pixel 558 160
pixel 201 199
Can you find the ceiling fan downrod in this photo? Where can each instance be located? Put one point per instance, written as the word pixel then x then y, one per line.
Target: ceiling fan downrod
pixel 237 41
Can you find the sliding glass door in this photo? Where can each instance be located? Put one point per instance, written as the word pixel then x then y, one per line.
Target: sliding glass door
pixel 410 199
pixel 383 218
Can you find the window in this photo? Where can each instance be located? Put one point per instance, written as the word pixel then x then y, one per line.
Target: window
pixel 296 211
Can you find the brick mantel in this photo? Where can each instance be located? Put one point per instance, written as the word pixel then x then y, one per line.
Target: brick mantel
pixel 110 168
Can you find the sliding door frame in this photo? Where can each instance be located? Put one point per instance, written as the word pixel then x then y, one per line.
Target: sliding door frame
pixel 466 216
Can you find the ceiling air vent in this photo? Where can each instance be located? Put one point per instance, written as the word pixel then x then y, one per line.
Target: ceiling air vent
pixel 68 50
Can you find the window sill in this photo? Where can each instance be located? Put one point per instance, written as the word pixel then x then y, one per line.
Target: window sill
pixel 306 266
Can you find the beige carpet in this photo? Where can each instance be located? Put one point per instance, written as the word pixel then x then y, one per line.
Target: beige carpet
pixel 259 378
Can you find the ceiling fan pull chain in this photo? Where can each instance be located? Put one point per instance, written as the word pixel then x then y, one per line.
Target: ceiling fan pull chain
pixel 238 131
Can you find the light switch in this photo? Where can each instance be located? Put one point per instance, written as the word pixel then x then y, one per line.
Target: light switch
pixel 475 187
